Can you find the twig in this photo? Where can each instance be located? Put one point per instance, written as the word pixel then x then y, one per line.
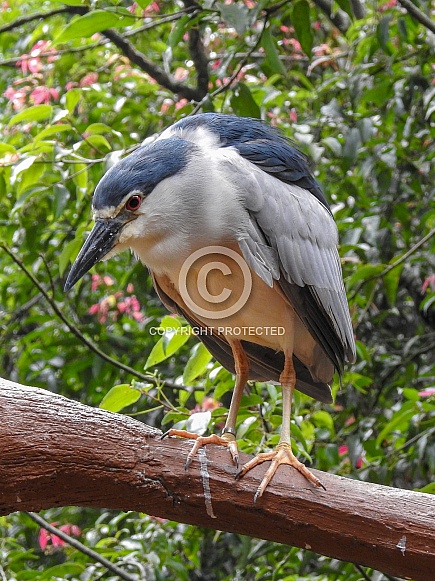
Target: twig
pixel 41 16
pixel 396 263
pixel 420 16
pixel 85 340
pixel 235 74
pixel 79 546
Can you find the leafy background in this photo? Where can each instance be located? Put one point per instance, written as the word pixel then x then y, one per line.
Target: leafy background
pixel 83 82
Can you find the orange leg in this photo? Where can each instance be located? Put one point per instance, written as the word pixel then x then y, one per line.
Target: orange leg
pixel 283 452
pixel 228 437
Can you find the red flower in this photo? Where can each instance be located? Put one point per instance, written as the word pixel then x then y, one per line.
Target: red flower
pixel 344 451
pixel 49 541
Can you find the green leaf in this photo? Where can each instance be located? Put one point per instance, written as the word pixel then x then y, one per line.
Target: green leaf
pixel 271 62
pixel 61 198
pixel 72 98
pixel 428 489
pixel 92 22
pixel 383 34
pixel 364 272
pixel 68 251
pixel 196 364
pixel 198 423
pixel 346 6
pixel 52 130
pixel 411 394
pixel 61 571
pixel 35 113
pixel 165 347
pixel 98 129
pixel 399 421
pixel 178 31
pixel 30 178
pixel 391 282
pixel 302 24
pixel 351 146
pixel 119 397
pixel 170 323
pixel 98 142
pixel 243 102
pixel 80 175
pixel 323 419
pixel 236 15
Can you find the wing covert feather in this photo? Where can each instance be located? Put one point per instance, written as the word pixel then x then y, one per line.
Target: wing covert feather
pixel 304 235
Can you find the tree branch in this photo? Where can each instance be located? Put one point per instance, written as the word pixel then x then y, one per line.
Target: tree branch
pixel 42 16
pixel 418 14
pixel 57 452
pixel 80 547
pixel 134 55
pixel 140 60
pixel 197 52
pixel 339 18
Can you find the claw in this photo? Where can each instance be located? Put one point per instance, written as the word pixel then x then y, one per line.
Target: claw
pixel 281 455
pixel 225 440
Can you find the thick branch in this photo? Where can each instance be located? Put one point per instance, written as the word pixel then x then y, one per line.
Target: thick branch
pixel 57 452
pixel 140 60
pixel 418 14
pixel 197 51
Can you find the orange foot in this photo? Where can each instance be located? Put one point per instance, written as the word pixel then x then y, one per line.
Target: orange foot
pixel 228 440
pixel 281 455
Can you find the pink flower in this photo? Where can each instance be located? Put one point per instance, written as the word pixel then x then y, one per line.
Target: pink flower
pixel 429 281
pixel 293 115
pixel 387 5
pixel 39 47
pixel 181 103
pixel 93 310
pixel 98 280
pixel 16 96
pixel 88 79
pixel 427 392
pixel 43 95
pixel 50 541
pixel 181 74
pixel 151 8
pixel 207 404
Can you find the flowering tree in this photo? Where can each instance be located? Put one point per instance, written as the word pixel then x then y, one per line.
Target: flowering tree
pixel 82 83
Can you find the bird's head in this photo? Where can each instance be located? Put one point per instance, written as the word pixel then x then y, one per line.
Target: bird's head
pixel 140 203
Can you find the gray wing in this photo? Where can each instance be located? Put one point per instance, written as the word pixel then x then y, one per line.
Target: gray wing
pixel 301 237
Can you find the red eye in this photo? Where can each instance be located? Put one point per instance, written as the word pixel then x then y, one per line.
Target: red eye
pixel 133 203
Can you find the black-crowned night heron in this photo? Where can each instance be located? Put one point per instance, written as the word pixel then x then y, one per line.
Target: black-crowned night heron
pixel 240 241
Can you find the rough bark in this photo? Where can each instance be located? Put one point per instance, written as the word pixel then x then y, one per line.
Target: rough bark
pixel 55 452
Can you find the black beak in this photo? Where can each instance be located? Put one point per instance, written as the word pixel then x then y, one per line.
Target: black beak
pixel 100 242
